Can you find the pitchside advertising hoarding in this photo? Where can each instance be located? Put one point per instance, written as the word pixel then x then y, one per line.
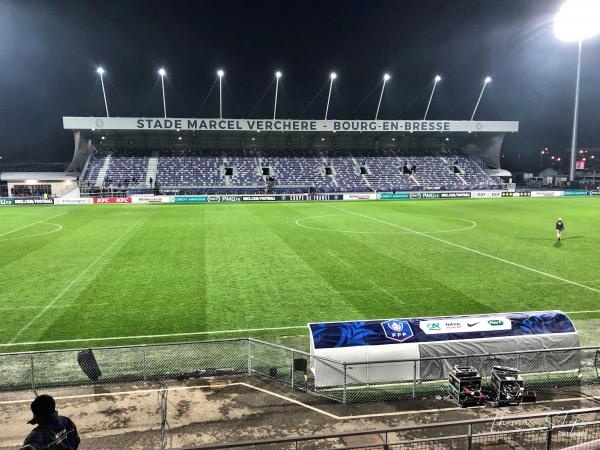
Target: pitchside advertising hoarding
pixel 284 125
pixel 112 200
pixel 7 201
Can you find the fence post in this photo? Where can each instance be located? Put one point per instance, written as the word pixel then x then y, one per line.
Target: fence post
pixel 345 383
pixel 145 362
pixel 414 384
pixel 292 369
pixel 32 374
pixel 249 351
pixel 469 436
pixel 549 433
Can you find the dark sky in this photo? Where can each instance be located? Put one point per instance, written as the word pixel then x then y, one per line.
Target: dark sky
pixel 49 50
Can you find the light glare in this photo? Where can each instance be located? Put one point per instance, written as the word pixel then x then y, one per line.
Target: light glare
pixel 278 74
pixel 100 70
pixel 386 77
pixel 220 73
pixel 333 75
pixel 162 72
pixel 437 78
pixel 577 20
pixel 487 79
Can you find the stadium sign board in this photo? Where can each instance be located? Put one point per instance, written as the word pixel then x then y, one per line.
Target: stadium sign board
pixel 575 192
pixel 6 201
pixel 111 200
pixel 288 125
pixel 73 201
pixel 33 201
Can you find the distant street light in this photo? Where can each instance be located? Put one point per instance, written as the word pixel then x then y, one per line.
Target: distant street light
pixel 386 77
pixel 100 71
pixel 162 72
pixel 220 74
pixel 487 80
pixel 436 80
pixel 277 77
pixel 576 21
pixel 332 77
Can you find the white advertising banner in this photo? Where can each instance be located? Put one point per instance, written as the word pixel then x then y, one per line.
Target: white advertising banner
pixel 547 193
pixel 288 125
pixel 359 196
pixel 465 325
pixel 486 194
pixel 151 199
pixel 73 201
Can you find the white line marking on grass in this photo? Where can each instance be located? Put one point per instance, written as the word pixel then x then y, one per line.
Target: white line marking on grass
pixel 150 336
pixel 334 230
pixel 11 308
pixel 369 280
pixel 55 230
pixel 583 312
pixel 73 282
pixel 506 261
pixel 286 398
pixel 32 224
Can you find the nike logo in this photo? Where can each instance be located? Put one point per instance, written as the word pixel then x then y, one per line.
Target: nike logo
pixel 472 324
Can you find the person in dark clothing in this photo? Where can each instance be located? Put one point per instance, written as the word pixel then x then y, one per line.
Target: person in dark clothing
pixel 560 227
pixel 53 432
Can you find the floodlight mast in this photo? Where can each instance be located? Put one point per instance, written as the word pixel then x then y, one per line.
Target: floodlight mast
pixel 487 80
pixel 162 72
pixel 277 77
pixel 220 74
pixel 386 77
pixel 576 21
pixel 436 80
pixel 332 77
pixel 100 72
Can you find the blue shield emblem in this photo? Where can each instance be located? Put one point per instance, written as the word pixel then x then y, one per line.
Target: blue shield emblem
pixel 397 330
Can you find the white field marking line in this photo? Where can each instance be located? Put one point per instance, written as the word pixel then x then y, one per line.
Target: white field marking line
pixel 506 261
pixel 452 230
pixel 73 282
pixel 583 312
pixel 150 336
pixel 366 291
pixel 11 308
pixel 370 281
pixel 32 224
pixel 282 397
pixel 59 227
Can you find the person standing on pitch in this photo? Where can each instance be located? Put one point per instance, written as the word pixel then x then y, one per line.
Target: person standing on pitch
pixel 560 227
pixel 53 432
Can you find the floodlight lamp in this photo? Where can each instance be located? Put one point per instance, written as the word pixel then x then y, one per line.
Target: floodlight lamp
pixel 220 73
pixel 333 75
pixel 386 77
pixel 577 20
pixel 278 74
pixel 100 70
pixel 162 72
pixel 437 79
pixel 488 79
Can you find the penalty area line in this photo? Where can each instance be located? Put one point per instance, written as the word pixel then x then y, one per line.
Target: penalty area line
pixel 150 336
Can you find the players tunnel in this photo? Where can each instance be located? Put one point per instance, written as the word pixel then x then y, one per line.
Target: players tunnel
pixel 401 350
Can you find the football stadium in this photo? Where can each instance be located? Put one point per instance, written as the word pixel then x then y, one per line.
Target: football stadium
pixel 220 282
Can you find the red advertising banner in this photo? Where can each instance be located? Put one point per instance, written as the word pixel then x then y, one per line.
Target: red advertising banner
pixel 111 200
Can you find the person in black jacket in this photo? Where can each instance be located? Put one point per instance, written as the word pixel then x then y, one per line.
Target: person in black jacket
pixel 53 432
pixel 560 227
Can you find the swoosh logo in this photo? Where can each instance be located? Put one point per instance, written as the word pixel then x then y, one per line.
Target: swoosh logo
pixel 472 324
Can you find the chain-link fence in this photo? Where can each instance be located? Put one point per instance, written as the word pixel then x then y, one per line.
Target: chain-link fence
pixel 543 431
pixel 343 382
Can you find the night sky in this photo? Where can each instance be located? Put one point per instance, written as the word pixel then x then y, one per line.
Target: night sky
pixel 49 51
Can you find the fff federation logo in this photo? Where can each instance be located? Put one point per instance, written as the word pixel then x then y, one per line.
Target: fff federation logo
pixel 397 330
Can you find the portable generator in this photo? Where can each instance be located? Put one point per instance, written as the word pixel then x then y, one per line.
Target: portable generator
pixel 464 386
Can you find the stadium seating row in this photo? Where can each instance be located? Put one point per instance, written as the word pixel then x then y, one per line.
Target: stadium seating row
pixel 320 173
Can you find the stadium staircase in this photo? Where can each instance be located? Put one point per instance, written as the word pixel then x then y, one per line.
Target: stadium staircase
pixel 152 168
pixel 102 172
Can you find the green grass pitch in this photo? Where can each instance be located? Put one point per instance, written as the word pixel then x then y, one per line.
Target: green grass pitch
pixel 77 276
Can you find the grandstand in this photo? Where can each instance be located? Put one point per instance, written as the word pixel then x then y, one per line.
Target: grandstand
pixel 233 161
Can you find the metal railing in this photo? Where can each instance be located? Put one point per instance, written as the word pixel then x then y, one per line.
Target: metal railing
pixel 548 430
pixel 343 382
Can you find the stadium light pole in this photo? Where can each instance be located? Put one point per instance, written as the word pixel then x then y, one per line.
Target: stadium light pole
pixel 100 72
pixel 332 77
pixel 576 21
pixel 162 72
pixel 386 77
pixel 220 74
pixel 485 83
pixel 277 77
pixel 436 80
